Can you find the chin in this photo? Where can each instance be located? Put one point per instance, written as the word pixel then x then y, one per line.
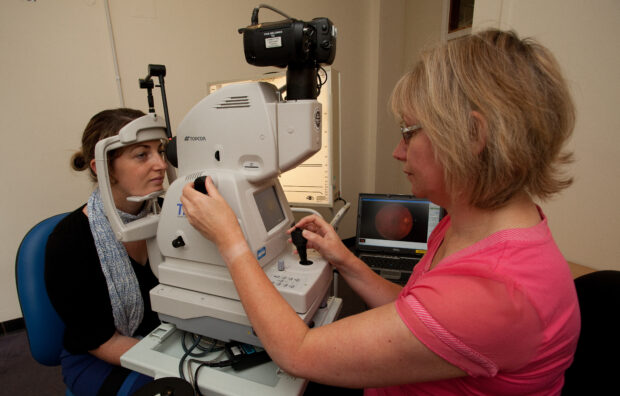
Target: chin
pixel 419 194
pixel 415 192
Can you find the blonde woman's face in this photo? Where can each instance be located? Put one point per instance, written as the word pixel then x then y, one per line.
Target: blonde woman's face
pixel 421 168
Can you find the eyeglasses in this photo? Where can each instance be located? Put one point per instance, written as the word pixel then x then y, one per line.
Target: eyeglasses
pixel 408 131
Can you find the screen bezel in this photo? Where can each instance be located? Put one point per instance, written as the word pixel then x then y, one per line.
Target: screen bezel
pixel 282 214
pixel 387 246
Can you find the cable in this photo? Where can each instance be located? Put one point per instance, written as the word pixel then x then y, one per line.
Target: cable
pixel 340 214
pixel 212 345
pixel 187 353
pixel 339 198
pixel 269 8
pixel 210 363
pixel 192 379
pixel 320 81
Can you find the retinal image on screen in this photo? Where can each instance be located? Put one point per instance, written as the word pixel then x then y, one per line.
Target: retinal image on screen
pixel 395 220
pixel 269 207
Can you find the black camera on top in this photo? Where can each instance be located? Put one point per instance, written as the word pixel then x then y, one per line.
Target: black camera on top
pixel 300 46
pixel 289 42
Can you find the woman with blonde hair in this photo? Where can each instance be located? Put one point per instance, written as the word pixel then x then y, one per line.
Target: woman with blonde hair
pixel 491 309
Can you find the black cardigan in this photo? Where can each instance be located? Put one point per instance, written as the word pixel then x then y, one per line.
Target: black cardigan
pixel 77 287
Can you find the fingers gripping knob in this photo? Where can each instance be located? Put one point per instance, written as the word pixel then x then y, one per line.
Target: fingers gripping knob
pixel 199 184
pixel 300 243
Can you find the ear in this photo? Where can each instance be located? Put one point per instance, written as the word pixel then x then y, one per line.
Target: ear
pixel 93 166
pixel 479 133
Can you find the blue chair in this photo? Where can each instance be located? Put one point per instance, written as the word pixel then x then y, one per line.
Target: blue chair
pixel 44 327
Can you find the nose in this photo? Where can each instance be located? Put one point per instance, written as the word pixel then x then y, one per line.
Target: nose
pixel 400 151
pixel 160 161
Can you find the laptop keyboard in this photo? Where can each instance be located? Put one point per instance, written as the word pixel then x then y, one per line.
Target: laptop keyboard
pixel 390 262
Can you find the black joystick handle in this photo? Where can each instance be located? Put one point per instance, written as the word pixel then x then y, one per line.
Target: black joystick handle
pixel 300 243
pixel 199 184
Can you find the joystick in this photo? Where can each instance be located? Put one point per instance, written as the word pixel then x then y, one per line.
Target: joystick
pixel 199 184
pixel 300 243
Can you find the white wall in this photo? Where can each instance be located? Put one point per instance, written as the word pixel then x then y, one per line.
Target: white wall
pixel 583 35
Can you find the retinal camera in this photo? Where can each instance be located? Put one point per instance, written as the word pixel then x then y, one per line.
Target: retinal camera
pixel 300 46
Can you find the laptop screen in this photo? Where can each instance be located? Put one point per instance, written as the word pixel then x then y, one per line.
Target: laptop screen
pixel 393 223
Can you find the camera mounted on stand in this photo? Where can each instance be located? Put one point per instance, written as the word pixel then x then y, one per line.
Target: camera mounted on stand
pixel 301 47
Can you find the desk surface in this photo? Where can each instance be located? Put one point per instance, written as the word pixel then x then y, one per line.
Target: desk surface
pixel 577 270
pixel 158 355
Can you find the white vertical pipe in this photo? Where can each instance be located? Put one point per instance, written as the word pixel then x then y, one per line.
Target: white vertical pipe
pixel 117 75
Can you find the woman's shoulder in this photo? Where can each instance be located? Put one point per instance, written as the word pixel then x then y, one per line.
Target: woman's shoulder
pixel 74 222
pixel 70 252
pixel 71 236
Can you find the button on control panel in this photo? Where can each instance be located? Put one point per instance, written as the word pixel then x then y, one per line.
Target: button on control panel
pixel 286 281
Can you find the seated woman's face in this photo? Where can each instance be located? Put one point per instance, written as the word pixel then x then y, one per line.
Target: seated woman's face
pixel 138 170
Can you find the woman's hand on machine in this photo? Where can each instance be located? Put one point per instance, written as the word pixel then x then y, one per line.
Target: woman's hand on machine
pixel 322 237
pixel 211 215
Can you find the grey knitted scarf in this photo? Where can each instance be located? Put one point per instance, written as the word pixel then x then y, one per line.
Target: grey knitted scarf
pixel 127 304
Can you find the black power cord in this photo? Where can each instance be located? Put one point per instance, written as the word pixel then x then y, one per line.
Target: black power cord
pixel 241 356
pixel 188 351
pixel 254 20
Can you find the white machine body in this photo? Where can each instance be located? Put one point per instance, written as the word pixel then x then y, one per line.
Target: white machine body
pixel 243 136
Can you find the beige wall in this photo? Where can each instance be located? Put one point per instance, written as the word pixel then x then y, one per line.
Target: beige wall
pixel 584 219
pixel 57 71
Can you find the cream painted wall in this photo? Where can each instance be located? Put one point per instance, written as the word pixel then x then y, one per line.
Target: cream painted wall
pixel 585 218
pixel 422 28
pixel 391 63
pixel 57 71
pixel 405 27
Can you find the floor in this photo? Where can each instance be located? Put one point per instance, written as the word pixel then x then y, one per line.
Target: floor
pixel 20 374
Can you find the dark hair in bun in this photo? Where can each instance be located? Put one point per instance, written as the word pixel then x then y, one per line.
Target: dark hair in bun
pixel 102 125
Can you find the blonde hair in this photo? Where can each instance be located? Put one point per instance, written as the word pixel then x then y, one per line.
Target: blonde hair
pixel 528 115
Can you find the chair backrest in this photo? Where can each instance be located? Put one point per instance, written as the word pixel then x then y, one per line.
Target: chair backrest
pixel 594 369
pixel 44 327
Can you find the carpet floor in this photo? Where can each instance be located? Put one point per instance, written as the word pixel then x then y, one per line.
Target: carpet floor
pixel 21 375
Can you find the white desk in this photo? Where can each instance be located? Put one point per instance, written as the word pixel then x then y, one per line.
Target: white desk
pixel 159 353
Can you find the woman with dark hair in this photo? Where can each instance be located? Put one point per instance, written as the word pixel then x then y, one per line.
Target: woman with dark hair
pixel 98 285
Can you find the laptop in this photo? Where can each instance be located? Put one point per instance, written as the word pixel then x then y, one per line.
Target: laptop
pixel 392 232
